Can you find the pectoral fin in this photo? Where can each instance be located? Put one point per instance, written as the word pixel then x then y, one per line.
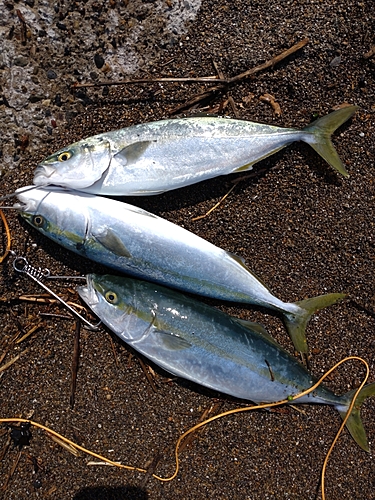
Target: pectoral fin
pixel 130 154
pixel 109 240
pixel 237 258
pixel 172 342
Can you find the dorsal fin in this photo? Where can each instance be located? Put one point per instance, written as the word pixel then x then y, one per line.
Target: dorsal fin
pixel 241 261
pixel 257 328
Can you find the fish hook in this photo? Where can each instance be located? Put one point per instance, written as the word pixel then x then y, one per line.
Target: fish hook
pixel 21 265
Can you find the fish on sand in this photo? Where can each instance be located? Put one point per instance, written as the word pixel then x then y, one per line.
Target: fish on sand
pixel 192 340
pixel 155 157
pixel 131 240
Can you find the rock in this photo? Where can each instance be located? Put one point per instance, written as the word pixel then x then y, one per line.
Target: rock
pixel 51 74
pixel 99 61
pixel 21 61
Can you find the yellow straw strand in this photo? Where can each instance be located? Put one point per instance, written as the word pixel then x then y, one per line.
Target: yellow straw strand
pixel 7 232
pixel 67 441
pixel 216 417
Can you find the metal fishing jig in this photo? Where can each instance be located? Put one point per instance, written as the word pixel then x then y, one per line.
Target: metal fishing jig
pixel 21 265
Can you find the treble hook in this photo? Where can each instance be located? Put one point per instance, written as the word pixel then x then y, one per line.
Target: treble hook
pixel 21 265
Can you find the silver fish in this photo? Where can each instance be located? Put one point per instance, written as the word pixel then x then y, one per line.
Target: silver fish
pixel 202 344
pixel 131 240
pixel 154 157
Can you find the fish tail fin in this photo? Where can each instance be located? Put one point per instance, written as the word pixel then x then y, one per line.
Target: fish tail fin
pixel 296 322
pixel 319 136
pixel 354 423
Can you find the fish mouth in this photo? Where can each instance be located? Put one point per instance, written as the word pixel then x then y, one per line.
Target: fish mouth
pixel 29 198
pixel 24 204
pixel 42 172
pixel 88 293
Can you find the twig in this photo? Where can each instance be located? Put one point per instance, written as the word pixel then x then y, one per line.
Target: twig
pixel 113 464
pixel 11 472
pixel 234 107
pixel 114 351
pixel 146 372
pixel 271 62
pixel 235 182
pixel 65 445
pixel 5 448
pixel 370 53
pixel 205 79
pixel 208 411
pixel 197 99
pixel 30 332
pixel 230 98
pixel 217 204
pixel 7 345
pixel 46 299
pixel 52 315
pixel 150 469
pixel 9 363
pixel 137 81
pixel 242 76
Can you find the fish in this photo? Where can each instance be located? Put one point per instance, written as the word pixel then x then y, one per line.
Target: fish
pixel 151 158
pixel 200 343
pixel 133 241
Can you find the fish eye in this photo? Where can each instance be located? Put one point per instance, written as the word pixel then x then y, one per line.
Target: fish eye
pixel 38 221
pixel 64 156
pixel 111 297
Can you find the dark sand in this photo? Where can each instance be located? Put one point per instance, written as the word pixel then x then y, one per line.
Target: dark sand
pixel 300 226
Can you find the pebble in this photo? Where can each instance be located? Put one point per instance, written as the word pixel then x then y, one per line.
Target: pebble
pixel 51 74
pixel 21 61
pixel 58 100
pixel 99 61
pixel 35 98
pixel 61 26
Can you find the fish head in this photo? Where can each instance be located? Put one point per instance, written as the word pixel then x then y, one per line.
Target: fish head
pixel 77 166
pixel 114 300
pixel 55 213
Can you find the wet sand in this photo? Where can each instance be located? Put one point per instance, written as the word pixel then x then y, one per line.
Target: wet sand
pixel 301 227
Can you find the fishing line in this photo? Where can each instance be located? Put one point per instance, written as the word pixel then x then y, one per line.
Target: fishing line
pixel 322 477
pixel 270 405
pixel 21 265
pixel 16 193
pixel 211 419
